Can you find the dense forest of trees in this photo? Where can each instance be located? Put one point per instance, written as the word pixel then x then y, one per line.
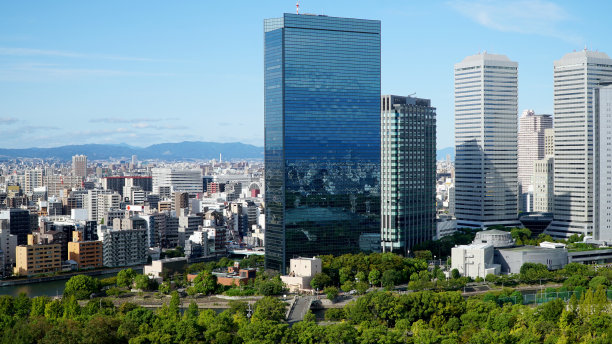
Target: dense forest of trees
pixel 576 310
pixel 377 317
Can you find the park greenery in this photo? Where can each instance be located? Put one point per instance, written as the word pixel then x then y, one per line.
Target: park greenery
pixel 572 306
pixel 377 317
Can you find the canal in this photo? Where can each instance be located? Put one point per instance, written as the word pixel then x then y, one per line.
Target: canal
pixel 48 288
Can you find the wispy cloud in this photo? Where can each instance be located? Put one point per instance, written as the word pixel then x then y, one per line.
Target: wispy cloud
pixel 10 51
pixel 537 17
pixel 46 72
pixel 128 119
pixel 146 125
pixel 8 120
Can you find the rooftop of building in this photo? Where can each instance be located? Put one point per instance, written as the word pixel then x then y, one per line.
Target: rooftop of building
pixel 527 248
pixel 483 57
pixel 581 55
pixel 473 246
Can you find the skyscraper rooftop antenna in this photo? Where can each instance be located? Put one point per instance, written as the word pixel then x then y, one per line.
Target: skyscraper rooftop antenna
pixel 297 7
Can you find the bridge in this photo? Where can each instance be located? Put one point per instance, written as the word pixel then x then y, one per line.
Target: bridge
pixel 299 308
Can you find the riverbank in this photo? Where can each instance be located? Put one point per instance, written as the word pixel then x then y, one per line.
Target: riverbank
pixel 65 276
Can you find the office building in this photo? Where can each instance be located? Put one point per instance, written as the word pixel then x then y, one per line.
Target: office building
pixel 8 245
pixel 486 185
pixel 530 149
pixel 118 183
pixel 575 76
pixel 79 166
pixel 176 180
pixel 602 195
pixel 408 172
pixel 19 223
pixel 322 135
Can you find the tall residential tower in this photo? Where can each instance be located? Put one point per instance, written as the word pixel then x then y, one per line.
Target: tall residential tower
pixel 408 172
pixel 322 136
pixel 486 97
pixel 79 166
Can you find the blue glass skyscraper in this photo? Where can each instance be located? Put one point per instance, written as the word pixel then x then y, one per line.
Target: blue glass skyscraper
pixel 322 136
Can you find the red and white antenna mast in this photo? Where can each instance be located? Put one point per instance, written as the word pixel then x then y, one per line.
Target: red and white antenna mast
pixel 297 7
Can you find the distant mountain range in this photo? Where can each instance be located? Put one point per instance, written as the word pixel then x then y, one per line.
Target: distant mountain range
pixel 187 150
pixel 444 151
pixel 163 151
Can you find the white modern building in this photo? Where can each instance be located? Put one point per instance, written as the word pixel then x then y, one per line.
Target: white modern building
pixel 302 272
pixel 575 76
pixel 177 180
pixel 530 149
pixel 486 184
pixel 474 260
pixel 602 212
pixel 99 202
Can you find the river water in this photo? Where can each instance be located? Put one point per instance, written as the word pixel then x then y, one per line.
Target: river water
pixel 49 288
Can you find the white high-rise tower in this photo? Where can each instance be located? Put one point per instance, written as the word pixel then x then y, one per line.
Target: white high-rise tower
pixel 575 76
pixel 530 149
pixel 486 107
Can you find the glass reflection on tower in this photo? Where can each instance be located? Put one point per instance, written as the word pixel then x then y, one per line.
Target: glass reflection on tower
pixel 322 136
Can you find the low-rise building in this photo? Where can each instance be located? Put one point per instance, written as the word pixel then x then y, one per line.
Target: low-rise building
pixel 168 266
pixel 474 260
pixel 37 259
pixel 301 273
pixel 511 259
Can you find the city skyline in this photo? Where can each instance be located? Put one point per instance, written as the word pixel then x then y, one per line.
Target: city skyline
pixel 70 76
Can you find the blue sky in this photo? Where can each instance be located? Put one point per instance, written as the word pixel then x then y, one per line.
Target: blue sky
pixel 144 72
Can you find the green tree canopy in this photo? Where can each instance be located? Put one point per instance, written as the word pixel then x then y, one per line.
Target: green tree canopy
pixel 81 286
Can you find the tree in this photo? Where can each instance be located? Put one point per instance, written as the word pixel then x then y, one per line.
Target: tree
pixel 320 281
pixel 390 278
pixel 144 283
pixel 22 305
pixel 205 283
pixel 54 310
pixel 269 286
pixel 331 292
pixel 125 278
pixel 455 273
pixel 269 308
pixel 597 281
pixel 361 287
pixel 6 305
pixel 423 254
pixel 164 288
pixel 263 332
pixel 81 286
pixel 520 235
pixel 38 306
pixel 374 277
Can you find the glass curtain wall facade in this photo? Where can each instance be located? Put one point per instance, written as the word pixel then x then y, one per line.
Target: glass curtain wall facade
pixel 322 135
pixel 408 174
